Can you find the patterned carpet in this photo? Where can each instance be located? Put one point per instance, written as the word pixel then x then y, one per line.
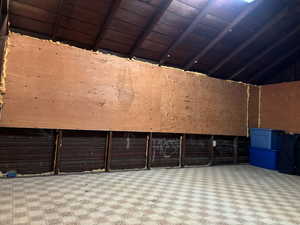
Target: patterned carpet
pixel 217 195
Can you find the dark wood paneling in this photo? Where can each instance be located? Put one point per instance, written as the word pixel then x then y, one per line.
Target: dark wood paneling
pixel 28 151
pixel 82 151
pixel 165 150
pixel 224 150
pixel 197 150
pixel 128 150
pixel 243 150
pixel 253 107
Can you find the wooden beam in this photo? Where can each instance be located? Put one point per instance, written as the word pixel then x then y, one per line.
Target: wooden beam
pixel 235 149
pixel 108 147
pixel 58 150
pixel 4 17
pixel 58 16
pixel 212 150
pixel 265 52
pixel 113 8
pixel 4 28
pixel 226 30
pixel 4 9
pixel 262 73
pixel 251 40
pixel 149 27
pixel 182 150
pixel 187 31
pixel 149 150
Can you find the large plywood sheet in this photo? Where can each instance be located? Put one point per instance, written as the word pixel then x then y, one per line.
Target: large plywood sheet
pixel 253 107
pixel 50 85
pixel 280 107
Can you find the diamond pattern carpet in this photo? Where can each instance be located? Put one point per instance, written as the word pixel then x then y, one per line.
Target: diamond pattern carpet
pixel 219 195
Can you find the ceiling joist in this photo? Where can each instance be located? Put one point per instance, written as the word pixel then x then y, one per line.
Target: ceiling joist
pixel 262 73
pixel 149 27
pixel 57 19
pixel 226 30
pixel 114 6
pixel 187 31
pixel 4 19
pixel 251 40
pixel 266 52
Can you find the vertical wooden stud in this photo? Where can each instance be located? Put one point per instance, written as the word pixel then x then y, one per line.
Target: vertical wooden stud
pixel 58 150
pixel 235 149
pixel 212 145
pixel 149 151
pixel 182 149
pixel 108 151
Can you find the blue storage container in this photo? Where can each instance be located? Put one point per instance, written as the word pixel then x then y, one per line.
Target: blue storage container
pixel 264 158
pixel 266 138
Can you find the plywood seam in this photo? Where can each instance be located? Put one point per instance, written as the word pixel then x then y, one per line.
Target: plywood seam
pixel 248 102
pixel 259 106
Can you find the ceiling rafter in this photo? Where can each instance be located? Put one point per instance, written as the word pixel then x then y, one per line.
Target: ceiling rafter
pixel 4 20
pixel 149 27
pixel 4 9
pixel 265 52
pixel 251 40
pixel 57 19
pixel 187 31
pixel 113 8
pixel 225 31
pixel 262 73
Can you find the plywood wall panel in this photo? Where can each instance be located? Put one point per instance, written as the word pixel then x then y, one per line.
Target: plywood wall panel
pixel 280 108
pixel 50 85
pixel 254 93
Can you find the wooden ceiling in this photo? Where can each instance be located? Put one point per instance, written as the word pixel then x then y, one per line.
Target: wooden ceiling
pixel 228 39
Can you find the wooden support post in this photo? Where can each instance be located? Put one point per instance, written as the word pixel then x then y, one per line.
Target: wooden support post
pixel 146 150
pixel 235 149
pixel 182 150
pixel 58 150
pixel 108 151
pixel 212 151
pixel 149 151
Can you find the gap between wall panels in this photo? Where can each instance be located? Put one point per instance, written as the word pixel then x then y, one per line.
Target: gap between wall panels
pixel 259 107
pixel 248 102
pixel 40 151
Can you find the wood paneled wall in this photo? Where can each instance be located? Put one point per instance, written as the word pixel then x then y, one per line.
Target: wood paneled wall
pixel 280 107
pixel 51 85
pixel 253 107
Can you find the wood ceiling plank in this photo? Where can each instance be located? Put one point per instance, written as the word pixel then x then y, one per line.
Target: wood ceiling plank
pixel 218 38
pixel 252 39
pixel 262 73
pixel 187 31
pixel 265 52
pixel 149 27
pixel 115 4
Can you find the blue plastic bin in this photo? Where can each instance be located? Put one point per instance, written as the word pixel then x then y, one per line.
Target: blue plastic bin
pixel 264 158
pixel 266 138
